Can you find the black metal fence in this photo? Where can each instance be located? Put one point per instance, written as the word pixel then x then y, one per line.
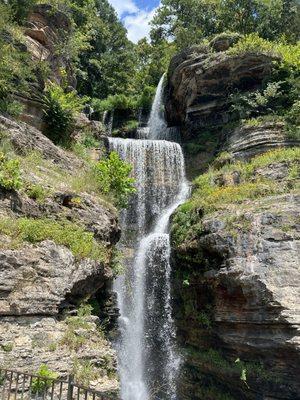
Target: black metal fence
pixel 16 385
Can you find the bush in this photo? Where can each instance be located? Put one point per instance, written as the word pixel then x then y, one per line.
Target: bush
pixel 287 53
pixel 10 174
pixel 265 101
pixel 114 178
pixel 81 243
pixel 60 108
pixel 36 192
pixel 115 102
pixel 39 386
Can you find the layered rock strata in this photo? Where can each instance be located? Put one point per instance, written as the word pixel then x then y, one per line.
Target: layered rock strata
pixel 43 283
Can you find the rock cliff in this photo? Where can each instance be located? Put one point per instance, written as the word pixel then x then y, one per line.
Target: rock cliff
pixel 46 31
pixel 42 280
pixel 236 242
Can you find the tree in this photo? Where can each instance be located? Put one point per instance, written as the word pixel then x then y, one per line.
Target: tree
pixel 189 21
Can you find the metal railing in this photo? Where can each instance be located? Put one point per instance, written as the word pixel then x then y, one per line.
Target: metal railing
pixel 16 385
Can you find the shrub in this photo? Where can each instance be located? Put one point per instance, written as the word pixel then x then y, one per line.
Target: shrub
pixel 114 178
pixel 81 243
pixel 265 101
pixel 115 102
pixel 60 108
pixel 36 192
pixel 10 174
pixel 39 386
pixel 288 53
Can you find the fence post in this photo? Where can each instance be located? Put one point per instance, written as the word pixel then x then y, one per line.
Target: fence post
pixel 70 387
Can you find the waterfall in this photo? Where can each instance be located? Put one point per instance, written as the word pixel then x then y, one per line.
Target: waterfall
pixel 148 361
pixel 157 124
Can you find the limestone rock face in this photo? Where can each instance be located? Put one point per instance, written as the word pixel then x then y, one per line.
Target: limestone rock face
pixel 38 280
pixel 236 299
pixel 32 341
pixel 46 30
pixel 42 284
pixel 26 138
pixel 248 141
pixel 199 83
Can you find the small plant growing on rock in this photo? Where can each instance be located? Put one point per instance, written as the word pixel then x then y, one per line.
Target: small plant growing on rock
pixel 39 386
pixel 10 174
pixel 36 192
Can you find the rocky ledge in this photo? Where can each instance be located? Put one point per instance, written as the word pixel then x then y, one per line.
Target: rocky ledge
pixel 42 280
pixel 200 82
pixel 236 289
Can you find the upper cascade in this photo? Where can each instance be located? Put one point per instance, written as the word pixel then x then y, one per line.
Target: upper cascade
pixel 158 168
pixel 157 124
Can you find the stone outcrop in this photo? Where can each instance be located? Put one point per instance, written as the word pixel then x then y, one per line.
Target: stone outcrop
pixel 236 290
pixel 236 273
pixel 200 82
pixel 28 342
pixel 42 283
pixel 46 30
pixel 246 142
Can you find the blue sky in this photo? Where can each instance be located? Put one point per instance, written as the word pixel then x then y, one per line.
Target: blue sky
pixel 136 15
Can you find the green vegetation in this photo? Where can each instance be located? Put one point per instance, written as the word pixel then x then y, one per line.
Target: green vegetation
pixel 60 109
pixel 10 175
pixel 16 68
pixel 213 359
pixel 190 21
pixel 217 190
pixel 113 174
pixel 278 98
pixel 36 192
pixel 81 243
pixel 7 347
pixel 74 339
pixel 39 386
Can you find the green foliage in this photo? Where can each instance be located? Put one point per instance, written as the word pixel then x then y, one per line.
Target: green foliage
pixel 114 178
pixel 85 310
pixel 10 174
pixel 84 372
pixel 39 386
pixel 15 64
pixel 60 108
pixel 279 95
pixel 7 347
pixel 36 192
pixel 189 21
pixel 265 101
pixel 115 102
pixel 20 9
pixel 81 243
pixel 288 53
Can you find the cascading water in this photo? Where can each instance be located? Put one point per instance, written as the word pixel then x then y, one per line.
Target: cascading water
pixel 157 124
pixel 148 362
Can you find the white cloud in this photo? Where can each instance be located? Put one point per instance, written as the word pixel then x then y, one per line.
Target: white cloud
pixel 138 24
pixel 135 20
pixel 124 7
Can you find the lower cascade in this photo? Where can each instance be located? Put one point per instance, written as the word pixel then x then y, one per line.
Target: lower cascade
pixel 148 361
